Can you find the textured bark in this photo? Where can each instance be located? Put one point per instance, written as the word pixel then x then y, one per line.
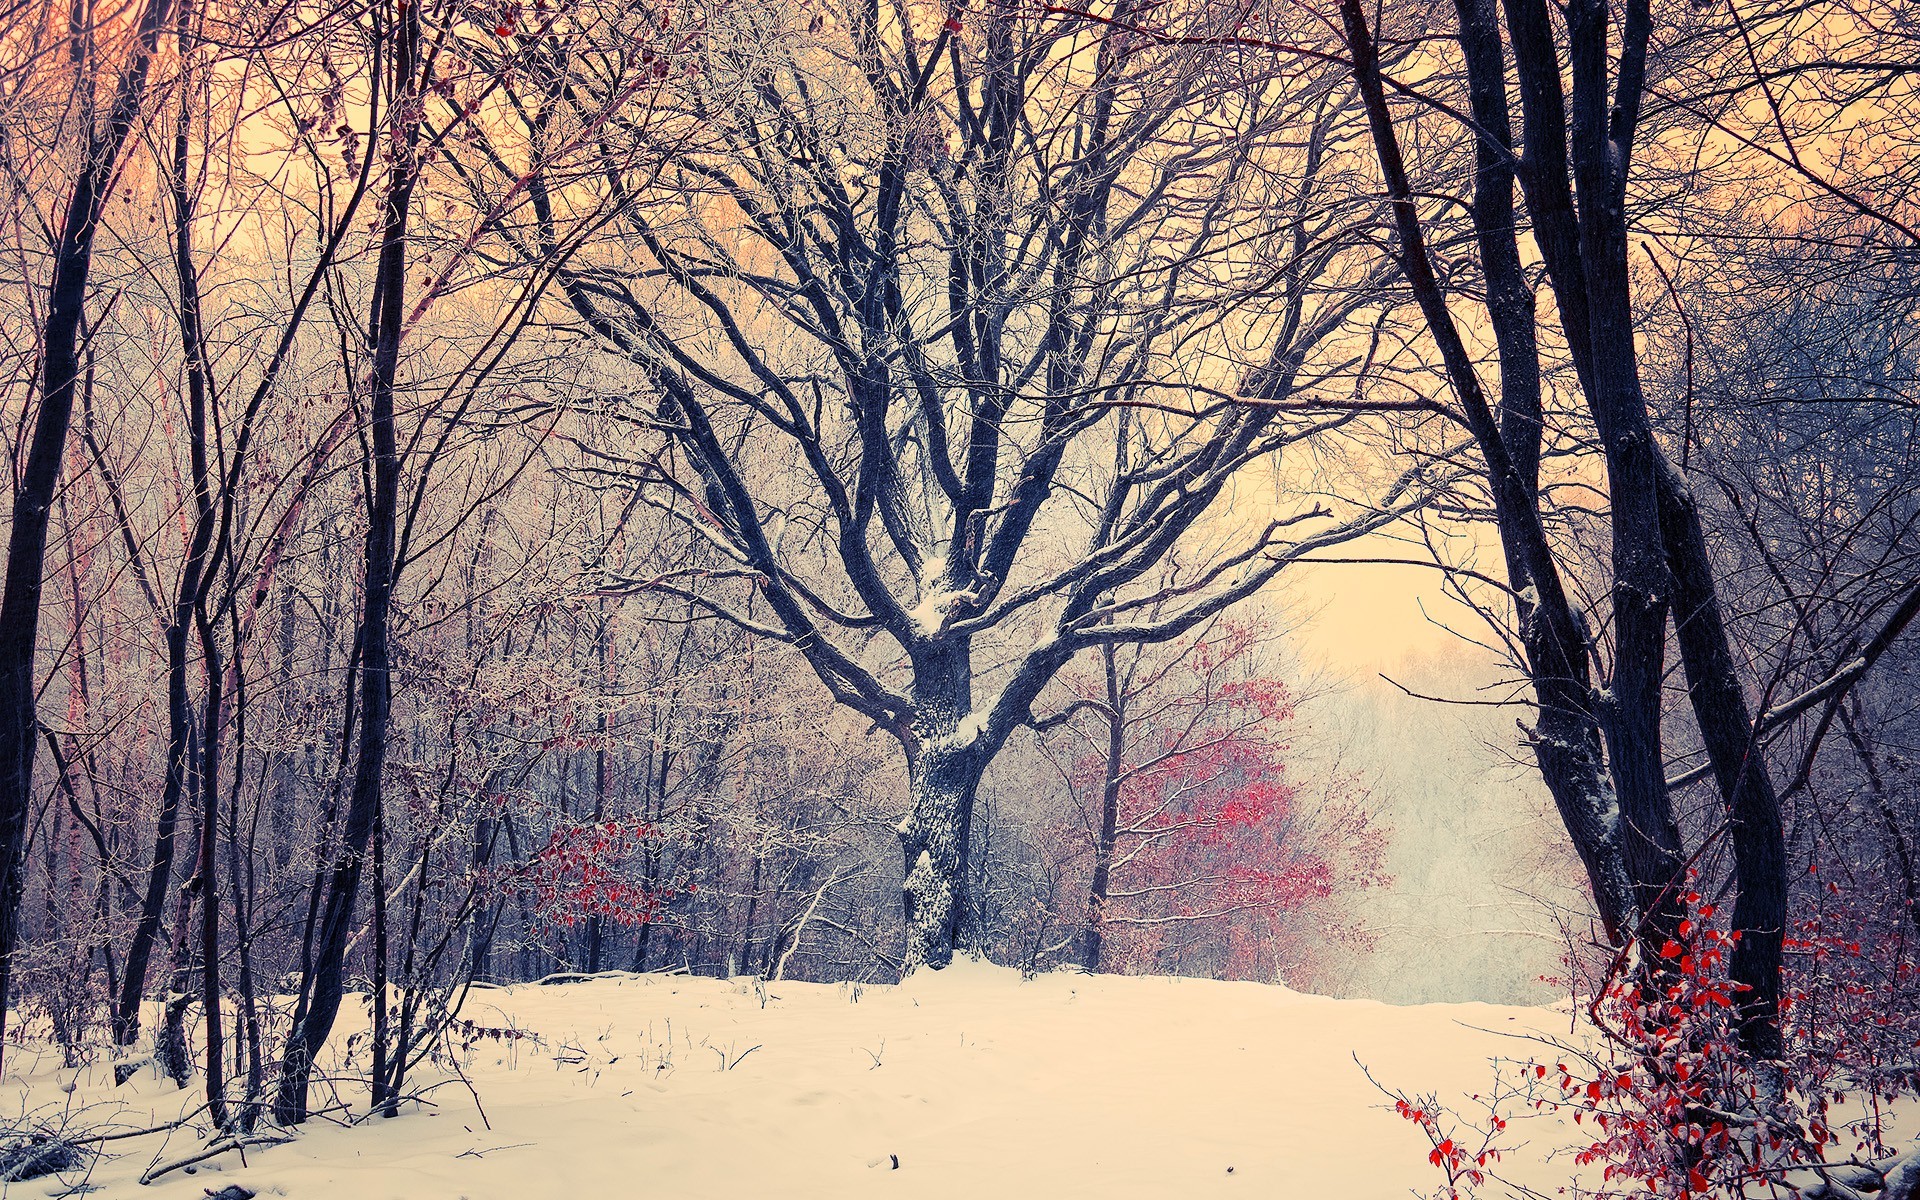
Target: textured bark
pixel 1658 546
pixel 170 1041
pixel 943 777
pixel 1642 585
pixel 933 842
pixel 1567 740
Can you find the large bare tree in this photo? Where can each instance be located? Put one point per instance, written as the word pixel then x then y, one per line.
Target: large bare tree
pixel 955 327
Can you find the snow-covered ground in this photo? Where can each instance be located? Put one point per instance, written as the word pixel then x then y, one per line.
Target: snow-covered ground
pixel 976 1083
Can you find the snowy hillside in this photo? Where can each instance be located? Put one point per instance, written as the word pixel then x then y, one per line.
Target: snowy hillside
pixel 978 1084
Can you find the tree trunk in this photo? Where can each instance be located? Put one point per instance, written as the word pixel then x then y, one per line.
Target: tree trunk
pixel 1585 251
pixel 602 770
pixel 170 1041
pixel 133 982
pixel 383 1100
pixel 323 987
pixel 485 918
pixel 40 475
pixel 941 788
pixel 190 605
pixel 1897 842
pixel 1567 741
pixel 1109 813
pixel 943 777
pixel 1739 768
pixel 208 875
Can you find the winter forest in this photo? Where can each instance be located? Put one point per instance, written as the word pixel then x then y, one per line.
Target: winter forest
pixel 576 568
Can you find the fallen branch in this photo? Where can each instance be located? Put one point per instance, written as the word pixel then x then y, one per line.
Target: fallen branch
pixel 215 1150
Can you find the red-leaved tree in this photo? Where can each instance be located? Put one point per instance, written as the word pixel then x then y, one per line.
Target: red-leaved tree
pixel 1196 847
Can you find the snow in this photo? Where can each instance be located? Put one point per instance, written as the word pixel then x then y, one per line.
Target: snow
pixel 969 728
pixel 978 1083
pixel 935 609
pixel 974 723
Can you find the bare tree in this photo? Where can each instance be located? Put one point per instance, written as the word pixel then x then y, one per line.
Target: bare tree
pixel 945 325
pixel 1622 821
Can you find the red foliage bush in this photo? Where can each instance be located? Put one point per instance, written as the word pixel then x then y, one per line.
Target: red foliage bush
pixel 1671 1105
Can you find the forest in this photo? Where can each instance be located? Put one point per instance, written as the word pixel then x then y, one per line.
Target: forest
pixel 807 493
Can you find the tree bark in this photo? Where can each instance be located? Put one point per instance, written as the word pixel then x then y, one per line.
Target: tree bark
pixel 1740 771
pixel 1567 742
pixel 943 777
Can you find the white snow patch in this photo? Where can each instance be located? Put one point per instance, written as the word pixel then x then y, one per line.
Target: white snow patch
pixel 935 609
pixel 968 729
pixel 978 1083
pixel 974 723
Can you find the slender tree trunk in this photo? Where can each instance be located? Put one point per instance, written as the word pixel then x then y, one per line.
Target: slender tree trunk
pixel 324 986
pixel 126 1016
pixel 1642 583
pixel 190 605
pixel 1585 252
pixel 1109 812
pixel 382 1100
pixel 240 871
pixel 1740 771
pixel 602 777
pixel 40 477
pixel 208 874
pixel 1897 841
pixel 170 1041
pixel 485 917
pixel 659 760
pixel 1568 739
pixel 126 1013
pixel 753 895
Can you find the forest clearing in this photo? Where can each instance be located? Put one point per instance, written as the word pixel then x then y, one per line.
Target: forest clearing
pixel 941 597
